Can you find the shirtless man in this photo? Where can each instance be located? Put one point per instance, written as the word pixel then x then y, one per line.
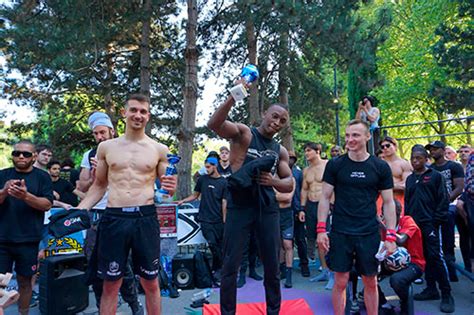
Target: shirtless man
pixel 128 166
pixel 310 195
pixel 255 207
pixel 401 168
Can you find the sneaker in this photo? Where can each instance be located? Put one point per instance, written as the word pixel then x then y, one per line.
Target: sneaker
pixel 34 299
pixel 453 275
pixel 330 283
pixel 426 295
pixel 355 308
pixel 288 282
pixel 447 303
pixel 241 280
pixel 305 271
pixel 418 281
pixel 254 275
pixel 323 276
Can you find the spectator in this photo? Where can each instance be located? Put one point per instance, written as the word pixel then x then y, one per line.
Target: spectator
pixel 454 180
pixel 426 201
pixel 212 188
pixel 69 172
pixel 450 154
pixel 299 226
pixel 369 113
pixel 44 153
pixel 336 151
pixel 25 195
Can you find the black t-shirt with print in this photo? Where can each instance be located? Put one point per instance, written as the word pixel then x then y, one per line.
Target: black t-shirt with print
pixel 65 191
pixel 212 191
pixel 356 186
pixel 19 222
pixel 450 170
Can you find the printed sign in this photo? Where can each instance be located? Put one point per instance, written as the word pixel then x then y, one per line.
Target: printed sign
pixel 167 218
pixel 189 230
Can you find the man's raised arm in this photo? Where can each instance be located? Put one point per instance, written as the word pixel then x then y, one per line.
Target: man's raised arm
pixel 219 123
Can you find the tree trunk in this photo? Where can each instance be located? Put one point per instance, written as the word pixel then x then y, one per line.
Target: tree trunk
pixel 254 109
pixel 287 133
pixel 187 128
pixel 109 105
pixel 145 55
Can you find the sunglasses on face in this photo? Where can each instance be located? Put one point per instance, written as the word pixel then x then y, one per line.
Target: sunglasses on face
pixel 25 154
pixel 385 146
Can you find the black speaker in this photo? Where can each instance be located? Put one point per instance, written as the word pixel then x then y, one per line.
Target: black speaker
pixel 183 271
pixel 62 285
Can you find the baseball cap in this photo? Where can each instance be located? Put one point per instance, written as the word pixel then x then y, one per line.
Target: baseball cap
pixel 435 144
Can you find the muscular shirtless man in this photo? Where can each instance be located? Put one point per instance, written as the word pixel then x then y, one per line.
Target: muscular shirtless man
pixel 400 168
pixel 128 166
pixel 246 210
pixel 311 191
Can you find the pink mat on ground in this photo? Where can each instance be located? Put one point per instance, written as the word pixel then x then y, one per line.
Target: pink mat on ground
pixel 289 307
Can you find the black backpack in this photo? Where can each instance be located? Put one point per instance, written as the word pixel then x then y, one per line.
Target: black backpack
pixel 202 271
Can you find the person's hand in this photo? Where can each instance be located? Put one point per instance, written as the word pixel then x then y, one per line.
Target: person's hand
pixel 323 242
pixel 179 202
pixel 391 247
pixel 8 184
pixel 301 216
pixel 56 195
pixel 266 179
pixel 361 105
pixel 18 190
pixel 94 162
pixel 169 183
pixel 462 212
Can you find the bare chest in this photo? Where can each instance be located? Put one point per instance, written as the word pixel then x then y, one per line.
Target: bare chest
pixel 141 161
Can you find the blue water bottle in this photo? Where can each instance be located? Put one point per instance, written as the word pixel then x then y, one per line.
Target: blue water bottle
pixel 250 73
pixel 173 159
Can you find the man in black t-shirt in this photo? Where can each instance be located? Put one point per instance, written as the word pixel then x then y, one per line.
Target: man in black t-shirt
pixel 25 195
pixel 212 188
pixel 224 165
pixel 454 176
pixel 65 194
pixel 355 179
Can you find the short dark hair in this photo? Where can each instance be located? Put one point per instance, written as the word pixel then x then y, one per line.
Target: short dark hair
pixel 224 148
pixel 51 163
pixel 138 97
pixel 68 162
pixel 313 146
pixel 42 147
pixel 464 146
pixel 25 141
pixel 419 148
pixel 358 122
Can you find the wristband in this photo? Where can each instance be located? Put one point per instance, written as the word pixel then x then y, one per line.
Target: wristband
pixel 321 227
pixel 391 235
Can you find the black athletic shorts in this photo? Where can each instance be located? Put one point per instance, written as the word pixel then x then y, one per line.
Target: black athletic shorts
pixel 286 223
pixel 24 255
pixel 344 249
pixel 122 230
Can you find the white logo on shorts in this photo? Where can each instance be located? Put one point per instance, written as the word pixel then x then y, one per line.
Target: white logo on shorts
pixel 113 269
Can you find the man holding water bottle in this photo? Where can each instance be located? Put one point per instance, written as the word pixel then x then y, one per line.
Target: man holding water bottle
pixel 128 166
pixel 255 158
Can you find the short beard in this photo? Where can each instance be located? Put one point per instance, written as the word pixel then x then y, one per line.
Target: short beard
pixel 24 167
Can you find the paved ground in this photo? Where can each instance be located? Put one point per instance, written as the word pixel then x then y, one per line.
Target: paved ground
pixel 315 295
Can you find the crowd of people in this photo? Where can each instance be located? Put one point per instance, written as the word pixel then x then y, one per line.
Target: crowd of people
pixel 256 203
